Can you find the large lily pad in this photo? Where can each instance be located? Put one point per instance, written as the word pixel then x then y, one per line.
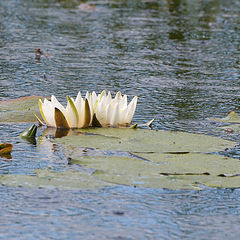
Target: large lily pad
pixel 156 159
pixel 137 157
pixel 20 109
pixel 187 171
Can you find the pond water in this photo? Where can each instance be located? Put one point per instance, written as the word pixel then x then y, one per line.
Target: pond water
pixel 180 57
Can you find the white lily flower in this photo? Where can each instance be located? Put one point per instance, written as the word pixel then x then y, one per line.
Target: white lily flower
pixel 75 115
pixel 96 110
pixel 115 112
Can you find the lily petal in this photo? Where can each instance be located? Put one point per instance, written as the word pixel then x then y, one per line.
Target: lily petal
pixel 131 110
pixel 79 104
pixel 123 102
pixel 72 112
pixel 101 114
pixel 60 118
pixel 57 104
pixel 103 93
pixel 94 97
pixel 48 110
pixel 118 96
pixel 108 98
pixel 95 122
pixel 85 116
pixel 114 118
pixel 40 103
pixel 78 97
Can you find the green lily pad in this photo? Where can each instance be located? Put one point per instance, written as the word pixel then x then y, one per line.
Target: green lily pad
pixel 49 179
pixel 232 117
pixel 137 157
pixel 155 159
pixel 194 163
pixel 141 140
pixel 20 109
pixel 171 171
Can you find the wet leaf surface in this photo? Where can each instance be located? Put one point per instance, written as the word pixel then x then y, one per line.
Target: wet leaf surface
pixel 20 109
pixel 232 117
pixel 50 179
pixel 137 157
pixel 141 140
pixel 156 159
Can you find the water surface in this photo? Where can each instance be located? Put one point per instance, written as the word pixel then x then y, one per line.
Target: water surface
pixel 180 57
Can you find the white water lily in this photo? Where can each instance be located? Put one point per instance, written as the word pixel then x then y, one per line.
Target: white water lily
pixel 96 110
pixel 114 112
pixel 75 115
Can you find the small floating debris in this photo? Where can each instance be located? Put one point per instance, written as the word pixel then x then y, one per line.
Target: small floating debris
pixel 5 149
pixel 86 7
pixel 38 54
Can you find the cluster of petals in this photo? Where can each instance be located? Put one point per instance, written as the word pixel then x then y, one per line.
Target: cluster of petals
pixel 94 110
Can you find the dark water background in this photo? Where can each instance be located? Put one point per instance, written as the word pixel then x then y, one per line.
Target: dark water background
pixel 180 57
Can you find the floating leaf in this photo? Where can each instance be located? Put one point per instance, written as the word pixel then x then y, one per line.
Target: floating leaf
pixel 139 157
pixel 20 109
pixel 5 148
pixel 232 117
pixel 163 171
pixel 142 140
pixel 49 179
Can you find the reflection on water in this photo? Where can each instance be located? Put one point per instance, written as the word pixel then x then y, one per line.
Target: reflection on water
pixel 180 57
